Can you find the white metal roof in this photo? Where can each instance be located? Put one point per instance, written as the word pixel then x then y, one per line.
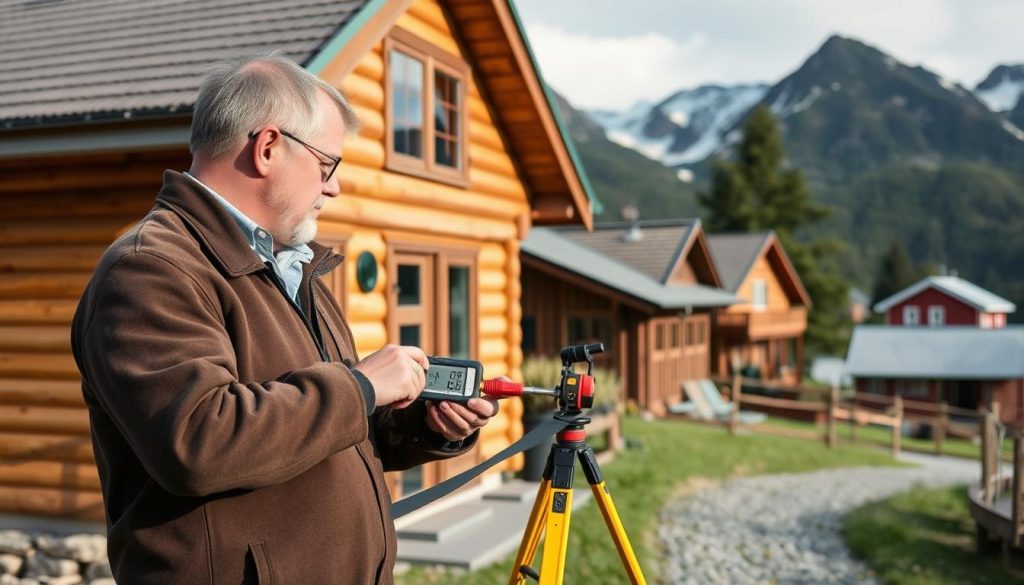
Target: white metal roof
pixel 952 352
pixel 955 287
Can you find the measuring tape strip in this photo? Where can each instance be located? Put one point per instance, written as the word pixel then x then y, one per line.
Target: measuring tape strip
pixel 420 499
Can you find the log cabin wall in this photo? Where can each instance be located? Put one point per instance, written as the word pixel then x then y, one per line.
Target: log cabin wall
pixel 57 216
pixel 386 212
pixel 56 219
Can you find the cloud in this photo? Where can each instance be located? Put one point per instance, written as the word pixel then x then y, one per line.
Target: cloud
pixel 610 53
pixel 612 72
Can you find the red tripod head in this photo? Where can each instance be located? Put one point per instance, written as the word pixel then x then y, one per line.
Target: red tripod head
pixel 575 391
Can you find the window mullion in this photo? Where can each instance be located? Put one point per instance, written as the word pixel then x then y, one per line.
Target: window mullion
pixel 428 119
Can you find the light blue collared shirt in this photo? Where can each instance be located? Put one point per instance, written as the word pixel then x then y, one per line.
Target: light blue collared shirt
pixel 287 262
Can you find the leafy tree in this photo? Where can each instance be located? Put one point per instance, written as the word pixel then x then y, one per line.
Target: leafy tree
pixel 757 192
pixel 895 272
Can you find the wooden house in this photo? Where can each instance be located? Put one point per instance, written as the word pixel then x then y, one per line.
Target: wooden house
pixel 762 334
pixel 945 340
pixel 937 301
pixel 645 289
pixel 963 366
pixel 96 104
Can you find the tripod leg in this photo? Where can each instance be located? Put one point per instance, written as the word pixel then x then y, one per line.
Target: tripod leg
pixel 611 516
pixel 532 533
pixel 559 508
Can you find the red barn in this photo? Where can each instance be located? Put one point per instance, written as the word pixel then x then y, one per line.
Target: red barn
pixel 945 300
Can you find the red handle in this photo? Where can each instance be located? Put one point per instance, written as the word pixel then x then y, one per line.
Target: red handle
pixel 502 389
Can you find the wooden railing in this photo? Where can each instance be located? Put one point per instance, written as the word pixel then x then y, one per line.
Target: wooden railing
pixel 857 409
pixel 764 323
pixel 994 520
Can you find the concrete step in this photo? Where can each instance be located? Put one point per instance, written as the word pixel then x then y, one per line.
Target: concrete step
pixel 483 542
pixel 439 527
pixel 515 490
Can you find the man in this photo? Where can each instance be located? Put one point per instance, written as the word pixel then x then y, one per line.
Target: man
pixel 238 437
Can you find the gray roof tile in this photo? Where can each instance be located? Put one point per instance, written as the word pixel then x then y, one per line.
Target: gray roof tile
pixel 735 254
pixel 81 58
pixel 654 253
pixel 552 246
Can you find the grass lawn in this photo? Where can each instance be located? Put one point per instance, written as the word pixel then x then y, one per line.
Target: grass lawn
pixel 923 537
pixel 883 436
pixel 641 480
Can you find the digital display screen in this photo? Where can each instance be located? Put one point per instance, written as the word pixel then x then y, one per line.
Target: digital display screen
pixel 453 380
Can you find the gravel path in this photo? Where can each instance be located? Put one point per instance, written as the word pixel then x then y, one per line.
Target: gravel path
pixel 785 529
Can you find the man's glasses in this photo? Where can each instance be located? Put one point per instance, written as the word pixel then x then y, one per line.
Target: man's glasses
pixel 327 167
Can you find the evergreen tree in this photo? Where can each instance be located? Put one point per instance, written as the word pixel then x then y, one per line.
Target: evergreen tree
pixel 895 272
pixel 757 192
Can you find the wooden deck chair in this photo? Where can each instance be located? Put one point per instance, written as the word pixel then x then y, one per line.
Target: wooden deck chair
pixel 701 409
pixel 723 409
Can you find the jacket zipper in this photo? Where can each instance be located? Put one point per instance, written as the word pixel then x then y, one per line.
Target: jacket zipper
pixel 312 307
pixel 326 358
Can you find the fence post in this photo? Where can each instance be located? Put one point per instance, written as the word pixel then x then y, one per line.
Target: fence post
pixel 853 419
pixel 988 431
pixel 897 427
pixel 941 421
pixel 833 404
pixel 1017 509
pixel 734 419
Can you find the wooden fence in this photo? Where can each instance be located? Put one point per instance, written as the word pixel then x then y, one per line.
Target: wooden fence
pixel 857 409
pixel 997 502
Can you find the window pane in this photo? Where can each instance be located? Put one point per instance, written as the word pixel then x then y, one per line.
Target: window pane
pixel 659 337
pixel 447 130
pixel 674 328
pixel 529 325
pixel 408 284
pixel 407 103
pixel 458 311
pixel 409 335
pixel 577 330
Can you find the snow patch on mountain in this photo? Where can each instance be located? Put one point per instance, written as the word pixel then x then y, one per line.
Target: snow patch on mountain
pixel 1002 97
pixel 1003 88
pixel 686 127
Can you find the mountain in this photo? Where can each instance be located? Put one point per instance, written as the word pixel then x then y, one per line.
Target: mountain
pixel 622 176
pixel 1003 89
pixel 684 128
pixel 851 108
pixel 895 151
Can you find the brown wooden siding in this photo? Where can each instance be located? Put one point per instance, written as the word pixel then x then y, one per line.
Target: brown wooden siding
pixel 652 371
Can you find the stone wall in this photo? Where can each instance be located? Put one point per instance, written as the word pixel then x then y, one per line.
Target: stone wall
pixel 39 558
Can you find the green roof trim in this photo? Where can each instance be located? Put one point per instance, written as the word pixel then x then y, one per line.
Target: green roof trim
pixel 595 203
pixel 348 30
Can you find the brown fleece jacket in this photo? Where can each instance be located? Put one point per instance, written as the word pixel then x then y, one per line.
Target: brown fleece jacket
pixel 229 449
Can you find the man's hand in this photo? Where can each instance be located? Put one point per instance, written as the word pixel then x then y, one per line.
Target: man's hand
pixel 455 421
pixel 397 372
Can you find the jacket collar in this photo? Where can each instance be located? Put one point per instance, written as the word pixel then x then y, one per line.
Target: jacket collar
pixel 218 232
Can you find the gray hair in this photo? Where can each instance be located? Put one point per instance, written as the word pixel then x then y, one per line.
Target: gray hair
pixel 243 95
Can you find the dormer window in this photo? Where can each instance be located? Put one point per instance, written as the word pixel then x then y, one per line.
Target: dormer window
pixel 425 109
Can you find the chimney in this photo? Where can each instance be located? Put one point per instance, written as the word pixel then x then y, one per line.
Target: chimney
pixel 632 214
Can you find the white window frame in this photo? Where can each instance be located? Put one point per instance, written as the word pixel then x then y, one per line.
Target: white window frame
pixel 936 315
pixel 911 315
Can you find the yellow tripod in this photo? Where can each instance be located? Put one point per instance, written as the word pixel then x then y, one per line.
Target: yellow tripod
pixel 553 506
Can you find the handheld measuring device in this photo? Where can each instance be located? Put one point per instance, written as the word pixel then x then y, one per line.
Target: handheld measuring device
pixel 452 379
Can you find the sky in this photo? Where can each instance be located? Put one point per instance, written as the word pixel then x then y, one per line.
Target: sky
pixel 609 54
